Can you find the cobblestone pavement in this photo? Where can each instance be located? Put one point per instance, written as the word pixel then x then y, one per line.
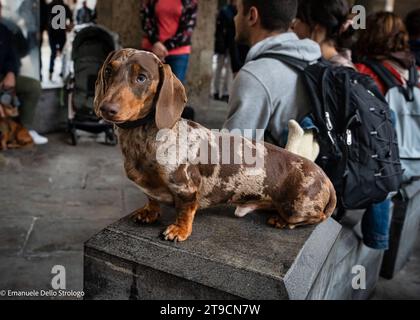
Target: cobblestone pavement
pixel 55 197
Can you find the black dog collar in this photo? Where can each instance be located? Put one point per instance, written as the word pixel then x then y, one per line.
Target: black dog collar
pixel 138 123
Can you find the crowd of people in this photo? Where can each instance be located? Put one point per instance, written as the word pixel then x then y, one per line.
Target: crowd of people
pixel 262 93
pixel 58 37
pixel 266 93
pixel 27 89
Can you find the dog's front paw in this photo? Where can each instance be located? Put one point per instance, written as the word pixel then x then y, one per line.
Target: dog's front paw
pixel 176 233
pixel 145 216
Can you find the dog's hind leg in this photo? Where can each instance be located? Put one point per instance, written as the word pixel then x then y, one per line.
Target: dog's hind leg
pixel 309 221
pixel 148 214
pixel 303 220
pixel 283 220
pixel 277 222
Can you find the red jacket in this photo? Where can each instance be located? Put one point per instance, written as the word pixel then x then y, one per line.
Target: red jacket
pixel 186 25
pixel 362 68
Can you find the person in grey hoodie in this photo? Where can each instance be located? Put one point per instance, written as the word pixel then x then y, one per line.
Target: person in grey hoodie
pixel 267 93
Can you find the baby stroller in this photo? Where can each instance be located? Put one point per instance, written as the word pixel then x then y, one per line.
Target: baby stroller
pixel 91 46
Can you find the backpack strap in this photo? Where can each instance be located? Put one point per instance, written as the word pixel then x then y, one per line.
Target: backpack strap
pixel 414 76
pixel 301 66
pixel 413 82
pixel 383 73
pixel 290 61
pixel 389 80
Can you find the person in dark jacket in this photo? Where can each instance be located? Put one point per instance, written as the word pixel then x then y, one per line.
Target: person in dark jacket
pixel 29 11
pixel 57 37
pixel 84 14
pixel 224 47
pixel 412 22
pixel 28 90
pixel 328 23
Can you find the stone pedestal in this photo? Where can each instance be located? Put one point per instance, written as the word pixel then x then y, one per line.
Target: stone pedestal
pixel 230 258
pixel 334 282
pixel 225 258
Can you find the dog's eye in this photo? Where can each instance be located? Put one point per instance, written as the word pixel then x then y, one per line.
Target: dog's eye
pixel 141 78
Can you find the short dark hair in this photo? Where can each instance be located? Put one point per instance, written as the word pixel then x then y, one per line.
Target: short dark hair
pixel 412 22
pixel 330 14
pixel 275 15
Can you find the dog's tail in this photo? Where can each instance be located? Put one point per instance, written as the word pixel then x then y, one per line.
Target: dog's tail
pixel 329 209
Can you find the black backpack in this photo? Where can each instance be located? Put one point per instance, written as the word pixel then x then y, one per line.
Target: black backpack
pixel 358 143
pixel 404 101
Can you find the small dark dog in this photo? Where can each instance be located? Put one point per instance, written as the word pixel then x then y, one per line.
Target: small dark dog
pixel 12 134
pixel 140 94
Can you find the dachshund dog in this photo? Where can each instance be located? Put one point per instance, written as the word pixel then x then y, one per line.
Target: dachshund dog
pixel 143 98
pixel 12 134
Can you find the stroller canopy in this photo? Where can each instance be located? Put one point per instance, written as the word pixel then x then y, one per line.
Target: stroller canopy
pixel 91 46
pixel 93 40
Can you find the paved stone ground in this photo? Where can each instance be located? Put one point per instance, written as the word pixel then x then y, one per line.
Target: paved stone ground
pixel 55 197
pixel 406 284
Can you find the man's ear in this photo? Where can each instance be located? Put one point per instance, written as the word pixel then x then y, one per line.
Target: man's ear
pixel 171 100
pixel 253 16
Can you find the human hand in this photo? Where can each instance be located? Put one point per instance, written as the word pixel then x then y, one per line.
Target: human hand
pixel 160 50
pixel 70 27
pixel 9 81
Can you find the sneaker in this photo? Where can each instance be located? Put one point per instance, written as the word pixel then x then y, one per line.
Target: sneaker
pixel 38 139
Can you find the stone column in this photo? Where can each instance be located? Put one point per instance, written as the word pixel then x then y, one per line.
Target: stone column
pixel 200 69
pixel 122 17
pixel 404 7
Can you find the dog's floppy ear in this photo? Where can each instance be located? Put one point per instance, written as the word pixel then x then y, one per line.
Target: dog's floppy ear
pixel 171 100
pixel 100 85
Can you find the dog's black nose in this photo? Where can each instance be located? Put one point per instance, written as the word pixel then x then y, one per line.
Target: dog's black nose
pixel 109 109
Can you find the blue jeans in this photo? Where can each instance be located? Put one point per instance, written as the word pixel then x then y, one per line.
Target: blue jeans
pixel 376 223
pixel 179 65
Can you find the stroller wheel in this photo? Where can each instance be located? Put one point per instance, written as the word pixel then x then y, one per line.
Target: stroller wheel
pixel 110 137
pixel 73 136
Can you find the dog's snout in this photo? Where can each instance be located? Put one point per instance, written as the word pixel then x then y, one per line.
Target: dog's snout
pixel 109 109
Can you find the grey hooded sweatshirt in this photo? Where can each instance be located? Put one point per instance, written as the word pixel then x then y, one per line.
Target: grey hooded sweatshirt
pixel 266 93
